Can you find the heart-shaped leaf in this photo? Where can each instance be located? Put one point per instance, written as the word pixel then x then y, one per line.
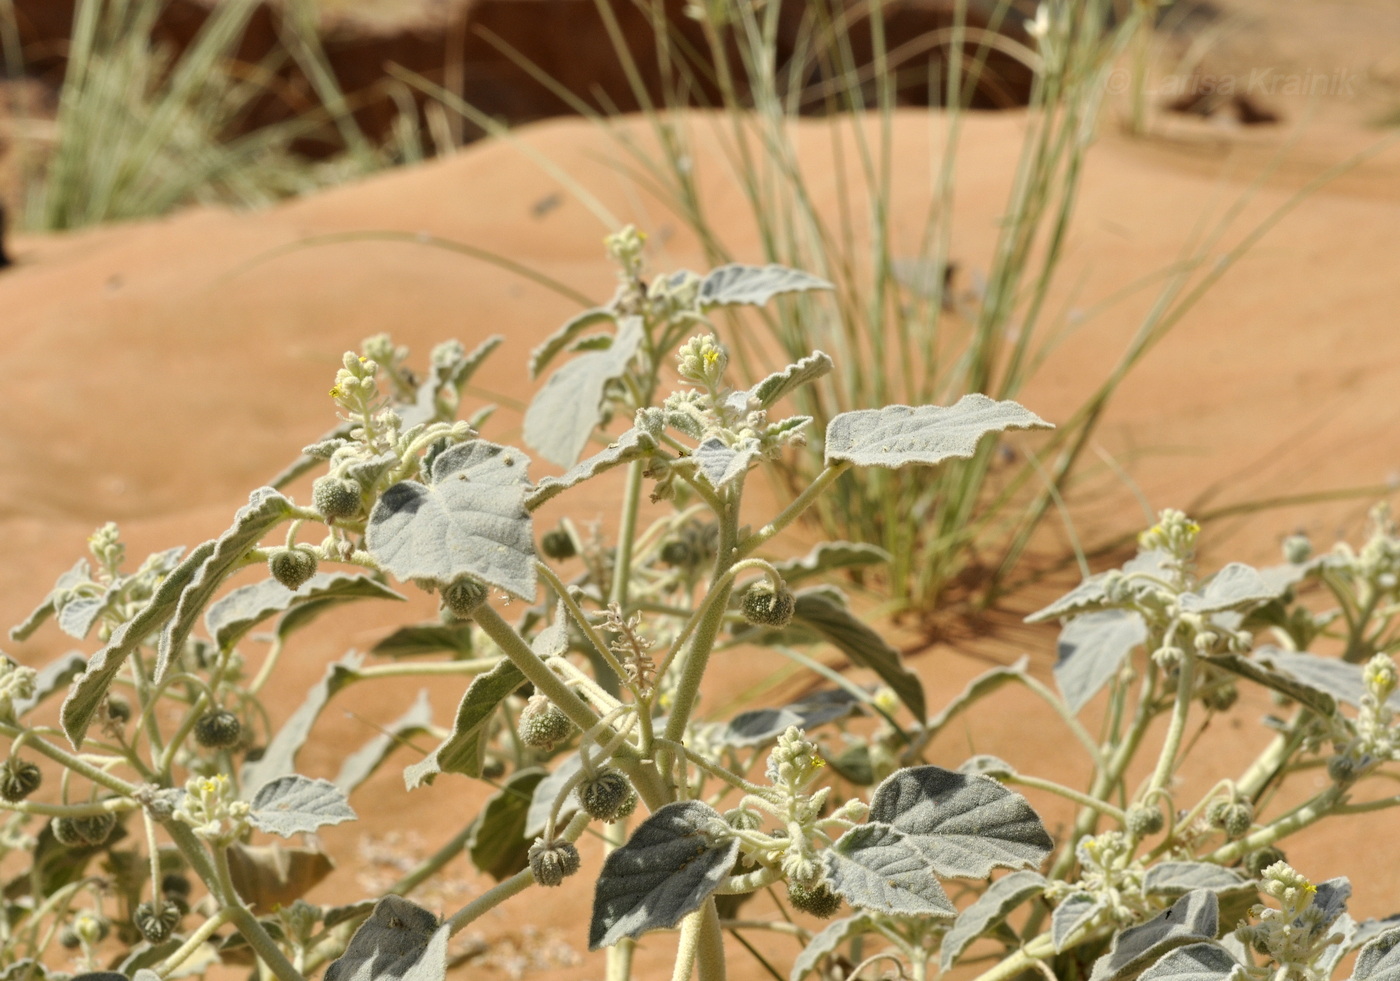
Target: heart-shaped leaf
pixel 754 285
pixel 565 411
pixel 898 435
pixel 1090 651
pixel 877 868
pixel 295 804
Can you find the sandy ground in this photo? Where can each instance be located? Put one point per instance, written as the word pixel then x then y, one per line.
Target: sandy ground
pixel 157 372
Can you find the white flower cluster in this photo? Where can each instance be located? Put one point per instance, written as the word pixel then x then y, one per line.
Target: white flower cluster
pixel 211 811
pixel 1297 934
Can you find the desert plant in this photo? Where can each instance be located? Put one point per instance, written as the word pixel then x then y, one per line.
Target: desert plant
pixel 616 653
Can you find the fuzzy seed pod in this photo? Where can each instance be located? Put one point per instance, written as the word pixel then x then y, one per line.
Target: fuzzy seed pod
pixel 95 829
pixel 819 900
pixel 542 724
pixel 1220 698
pixel 1233 817
pixel 1342 769
pixel 156 927
pixel 1257 862
pixel 65 833
pixel 219 729
pixel 553 863
pixel 676 553
pixel 335 497
pixel 558 545
pixel 603 796
pixel 18 779
pixel 292 567
pixel 68 939
pixel 1144 820
pixel 118 709
pixel 175 884
pixel 462 597
pixel 764 605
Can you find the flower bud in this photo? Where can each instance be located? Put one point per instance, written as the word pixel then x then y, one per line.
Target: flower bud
pixel 1220 697
pixel 542 724
pixel 768 606
pixel 292 567
pixel 820 900
pixel 219 729
pixel 1297 549
pixel 553 863
pixel 1144 820
pixel 18 779
pixel 463 595
pixel 558 544
pixel 603 797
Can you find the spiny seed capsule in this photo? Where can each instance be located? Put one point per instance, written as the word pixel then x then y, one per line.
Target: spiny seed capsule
pixel 219 729
pixel 558 545
pixel 175 884
pixel 1144 820
pixel 1219 698
pixel 542 723
pixel 65 833
pixel 292 567
pixel 462 597
pixel 1233 817
pixel 18 779
pixel 156 927
pixel 768 606
pixel 335 497
pixel 1257 862
pixel 819 900
pixel 553 863
pixel 603 796
pixel 95 829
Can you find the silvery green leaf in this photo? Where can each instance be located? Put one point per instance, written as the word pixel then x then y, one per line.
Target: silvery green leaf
pixel 1236 585
pixel 779 384
pixel 324 449
pixel 462 751
pixel 369 472
pixel 1331 897
pixel 1194 917
pixel 1345 927
pixel 542 800
pixel 754 285
pixel 760 726
pixel 359 765
pixel 979 688
pixel 1379 959
pixel 1368 930
pixel 457 371
pixel 1341 680
pixel 877 868
pixel 427 638
pixel 836 933
pixel 593 342
pixel 50 678
pixel 77 615
pixel 722 464
pixel 1090 651
pixel 631 445
pixel 88 689
pixel 1090 595
pixel 565 411
pixel 1074 911
pixel 674 860
pixel 497 844
pixel 898 435
pixel 279 759
pixel 295 804
pixel 265 510
pixel 311 456
pixel 1195 962
pixel 987 765
pixel 991 907
pixel 556 342
pixel 401 941
pixel 829 556
pixel 1178 878
pixel 1305 694
pixel 79 574
pixel 232 616
pixel 471 520
pixel 815 609
pixel 963 825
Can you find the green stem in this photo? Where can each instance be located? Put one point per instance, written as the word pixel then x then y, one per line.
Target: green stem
pixel 1300 817
pixel 202 933
pixel 794 510
pixel 1022 960
pixel 516 884
pixel 73 763
pixel 627 533
pixel 619 957
pixel 241 917
pixel 710 943
pixel 580 618
pixel 546 681
pixel 1181 710
pixel 1084 800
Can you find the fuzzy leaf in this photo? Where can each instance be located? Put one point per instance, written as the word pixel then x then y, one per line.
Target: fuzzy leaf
pixel 470 521
pixel 1305 694
pixel 1179 878
pixel 754 285
pixel 269 876
pixel 453 374
pixel 293 804
pixel 401 941
pixel 829 556
pixel 836 624
pixel 986 765
pixel 978 689
pixel 898 436
pixel 556 342
pixel 80 573
pixel 265 510
pixel 1194 917
pixel 667 869
pixel 566 409
pixel 1332 896
pixel 631 445
pixel 963 825
pixel 88 689
pixel 1091 649
pixel 1235 586
pixel 462 751
pixel 991 907
pixel 427 638
pixel 279 759
pixel 1368 930
pixel 1379 959
pixel 779 384
pixel 229 619
pixel 836 933
pixel 1341 680
pixel 759 726
pixel 359 765
pixel 1090 596
pixel 721 464
pixel 497 844
pixel 1073 912
pixel 878 868
pixel 1195 962
pixel 79 614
